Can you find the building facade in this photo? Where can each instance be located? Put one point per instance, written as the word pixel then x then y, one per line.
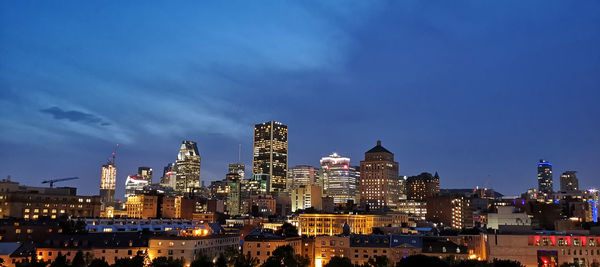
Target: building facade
pixel 332 224
pixel 422 186
pixel 544 175
pixel 341 181
pixel 188 168
pixel 379 180
pixel 108 183
pixel 301 175
pixel 304 197
pixel 569 182
pixel 452 211
pixel 270 153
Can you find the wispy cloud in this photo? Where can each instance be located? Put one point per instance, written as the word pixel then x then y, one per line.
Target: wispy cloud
pixel 74 116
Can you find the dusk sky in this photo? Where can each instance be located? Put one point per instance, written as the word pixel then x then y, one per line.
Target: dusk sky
pixel 478 91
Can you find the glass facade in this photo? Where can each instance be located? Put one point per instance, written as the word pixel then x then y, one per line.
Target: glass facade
pixel 270 153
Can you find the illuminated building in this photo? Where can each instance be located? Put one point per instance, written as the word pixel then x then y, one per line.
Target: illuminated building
pixel 507 215
pixel 270 153
pixel 146 173
pixel 544 169
pixel 133 184
pixel 108 183
pixel 188 168
pixel 569 182
pixel 260 244
pixel 234 187
pixel 340 179
pixel 146 206
pixel 238 168
pixel 301 175
pixel 31 202
pixel 191 247
pixel 304 197
pixel 261 205
pixel 107 246
pixel 169 177
pixel 332 224
pixel 546 249
pixel 379 180
pixel 452 211
pixel 417 209
pixel 422 186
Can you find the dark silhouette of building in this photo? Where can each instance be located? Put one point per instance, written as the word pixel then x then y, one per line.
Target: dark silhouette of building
pixel 422 186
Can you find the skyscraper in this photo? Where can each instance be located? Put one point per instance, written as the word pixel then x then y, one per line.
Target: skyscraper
pixel 340 179
pixel 379 185
pixel 238 168
pixel 422 186
pixel 569 182
pixel 544 169
pixel 301 175
pixel 234 187
pixel 146 173
pixel 134 184
pixel 108 183
pixel 188 168
pixel 270 153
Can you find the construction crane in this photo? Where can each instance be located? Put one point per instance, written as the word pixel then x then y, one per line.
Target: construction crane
pixel 111 161
pixel 52 181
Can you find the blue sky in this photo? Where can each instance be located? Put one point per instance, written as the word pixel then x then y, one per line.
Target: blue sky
pixel 476 90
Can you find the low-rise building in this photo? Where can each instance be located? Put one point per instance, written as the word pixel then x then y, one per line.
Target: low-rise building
pixel 193 246
pixel 544 248
pixel 261 243
pixel 507 215
pixel 315 224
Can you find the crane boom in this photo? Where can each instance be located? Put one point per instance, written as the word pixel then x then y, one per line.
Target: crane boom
pixel 52 181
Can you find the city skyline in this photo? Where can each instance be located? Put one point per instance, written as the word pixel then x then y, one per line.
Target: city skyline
pixel 477 92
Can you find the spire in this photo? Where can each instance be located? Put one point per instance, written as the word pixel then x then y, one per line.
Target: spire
pixel 379 142
pixel 436 175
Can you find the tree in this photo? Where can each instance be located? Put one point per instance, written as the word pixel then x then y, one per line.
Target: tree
pixel 284 256
pixel 421 260
pixel 221 261
pixel 339 262
pixel 79 260
pixel 98 263
pixel 166 262
pixel 60 261
pixel 287 230
pixel 379 261
pixel 202 261
pixel 137 261
pixel 33 262
pixel 245 261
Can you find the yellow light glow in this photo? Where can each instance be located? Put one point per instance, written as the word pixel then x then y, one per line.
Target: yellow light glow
pixel 205 232
pixel 318 263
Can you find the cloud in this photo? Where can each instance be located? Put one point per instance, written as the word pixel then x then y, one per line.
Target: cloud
pixel 74 116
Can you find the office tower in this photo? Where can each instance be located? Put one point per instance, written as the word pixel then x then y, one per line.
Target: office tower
pixel 301 175
pixel 340 178
pixel 234 186
pixel 304 197
pixel 422 186
pixel 379 179
pixel 453 211
pixel 134 184
pixel 270 153
pixel 569 182
pixel 146 173
pixel 108 183
pixel 544 177
pixel 169 176
pixel 188 168
pixel 238 168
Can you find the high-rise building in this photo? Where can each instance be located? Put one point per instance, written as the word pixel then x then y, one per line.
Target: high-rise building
pixel 108 183
pixel 422 186
pixel 169 176
pixel 569 182
pixel 301 175
pixel 238 168
pixel 134 184
pixel 188 168
pixel 340 179
pixel 270 153
pixel 379 185
pixel 234 186
pixel 146 173
pixel 544 169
